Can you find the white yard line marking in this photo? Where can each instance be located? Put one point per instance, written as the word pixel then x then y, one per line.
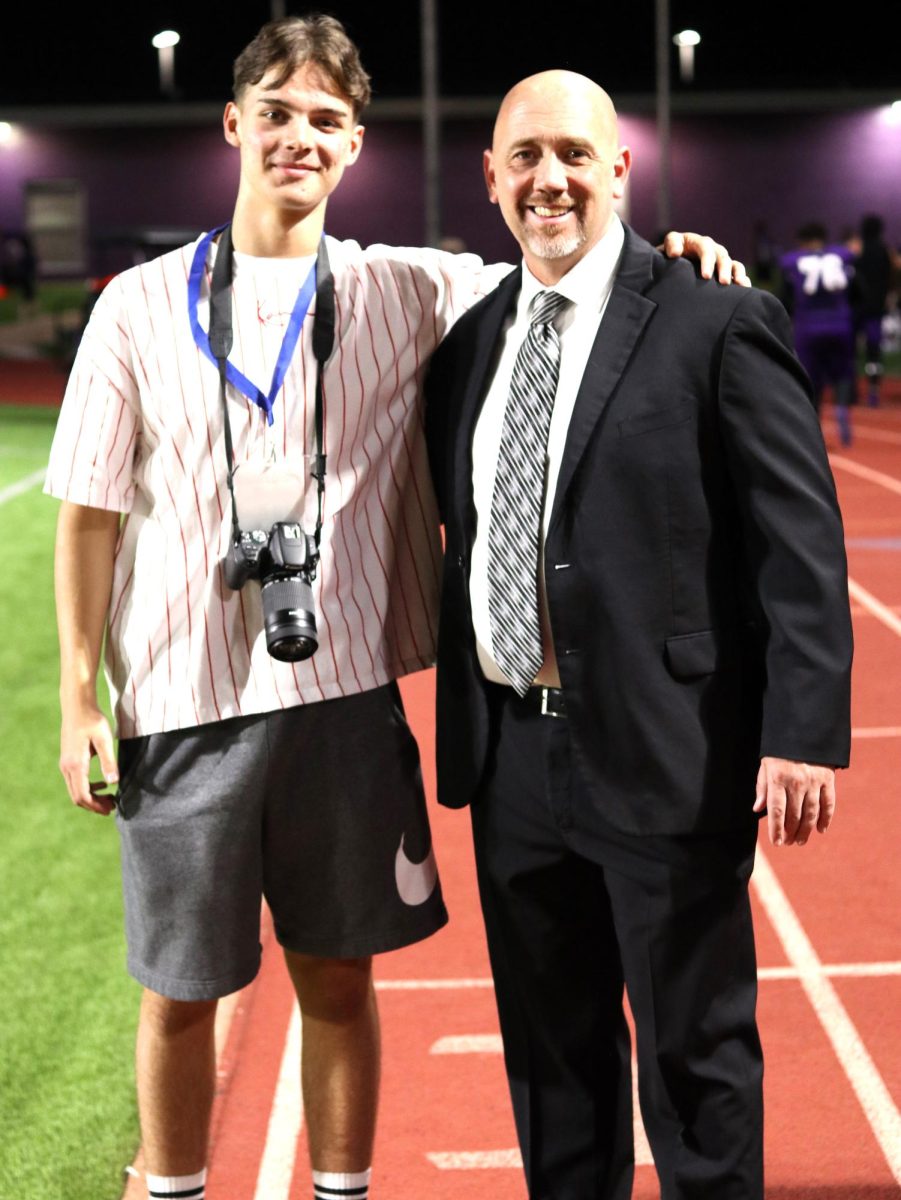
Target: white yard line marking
pixel 877 731
pixel 873 1095
pixel 875 607
pixel 22 485
pixel 15 452
pixel 889 482
pixel 277 1165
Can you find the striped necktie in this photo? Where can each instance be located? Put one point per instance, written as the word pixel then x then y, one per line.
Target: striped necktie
pixel 518 498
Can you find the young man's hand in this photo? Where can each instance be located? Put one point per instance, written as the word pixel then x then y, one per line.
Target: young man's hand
pixel 85 550
pixel 85 734
pixel 710 255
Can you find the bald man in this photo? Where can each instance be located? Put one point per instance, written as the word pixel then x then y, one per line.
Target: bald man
pixel 644 647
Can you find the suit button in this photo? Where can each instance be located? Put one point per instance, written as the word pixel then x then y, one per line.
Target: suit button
pixel 461 561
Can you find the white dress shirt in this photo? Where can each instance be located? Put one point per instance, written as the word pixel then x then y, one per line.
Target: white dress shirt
pixel 587 286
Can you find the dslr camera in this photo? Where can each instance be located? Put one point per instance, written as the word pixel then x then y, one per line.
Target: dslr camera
pixel 284 560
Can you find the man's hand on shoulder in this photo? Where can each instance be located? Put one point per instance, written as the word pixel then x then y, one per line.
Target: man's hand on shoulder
pixel 85 733
pixel 710 255
pixel 798 797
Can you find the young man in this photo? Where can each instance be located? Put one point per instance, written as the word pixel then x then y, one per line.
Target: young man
pixel 241 775
pixel 645 642
pixel 817 282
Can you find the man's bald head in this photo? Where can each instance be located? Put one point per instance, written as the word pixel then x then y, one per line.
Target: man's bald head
pixel 555 89
pixel 555 168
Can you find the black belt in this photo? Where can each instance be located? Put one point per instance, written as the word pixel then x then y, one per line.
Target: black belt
pixel 546 701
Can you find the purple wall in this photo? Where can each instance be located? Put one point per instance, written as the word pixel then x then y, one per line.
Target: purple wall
pixel 728 172
pixel 785 170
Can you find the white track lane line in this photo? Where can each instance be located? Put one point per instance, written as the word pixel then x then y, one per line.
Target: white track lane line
pixel 877 731
pixel 643 1155
pixel 22 485
pixel 873 970
pixel 472 1160
pixel 474 1043
pixel 873 1095
pixel 889 482
pixel 875 607
pixel 491 1043
pixel 285 1119
pixel 404 985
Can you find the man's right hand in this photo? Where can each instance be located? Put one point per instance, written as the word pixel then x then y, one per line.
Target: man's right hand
pixel 85 550
pixel 87 733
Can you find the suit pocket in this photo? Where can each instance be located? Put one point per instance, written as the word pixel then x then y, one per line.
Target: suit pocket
pixel 660 418
pixel 689 655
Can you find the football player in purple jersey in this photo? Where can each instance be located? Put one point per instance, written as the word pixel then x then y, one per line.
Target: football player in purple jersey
pixel 817 280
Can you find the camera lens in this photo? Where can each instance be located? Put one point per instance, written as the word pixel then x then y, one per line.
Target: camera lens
pixel 289 618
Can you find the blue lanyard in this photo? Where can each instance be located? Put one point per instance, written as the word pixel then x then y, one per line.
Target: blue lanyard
pixel 289 342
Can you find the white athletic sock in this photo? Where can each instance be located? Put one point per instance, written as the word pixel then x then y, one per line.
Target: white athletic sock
pixel 335 1185
pixel 186 1187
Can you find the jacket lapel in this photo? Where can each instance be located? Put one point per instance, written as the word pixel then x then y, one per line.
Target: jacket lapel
pixel 484 348
pixel 627 314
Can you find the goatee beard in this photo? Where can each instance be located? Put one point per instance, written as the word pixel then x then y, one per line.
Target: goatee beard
pixel 551 246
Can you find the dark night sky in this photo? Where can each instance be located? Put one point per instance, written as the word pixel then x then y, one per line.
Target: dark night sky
pixel 102 53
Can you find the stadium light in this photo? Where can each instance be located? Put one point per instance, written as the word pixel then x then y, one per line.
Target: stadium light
pixel 6 133
pixel 164 43
pixel 686 40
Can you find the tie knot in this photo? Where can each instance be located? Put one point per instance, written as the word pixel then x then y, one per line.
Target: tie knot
pixel 545 307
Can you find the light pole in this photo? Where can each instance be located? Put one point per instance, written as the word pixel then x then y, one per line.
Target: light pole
pixel 431 119
pixel 662 28
pixel 686 41
pixel 164 43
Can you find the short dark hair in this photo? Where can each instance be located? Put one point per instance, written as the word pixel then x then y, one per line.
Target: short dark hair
pixel 291 42
pixel 812 231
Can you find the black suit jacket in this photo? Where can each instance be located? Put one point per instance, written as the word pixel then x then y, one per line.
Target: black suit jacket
pixel 695 565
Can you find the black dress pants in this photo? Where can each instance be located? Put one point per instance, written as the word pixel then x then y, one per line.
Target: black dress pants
pixel 574 910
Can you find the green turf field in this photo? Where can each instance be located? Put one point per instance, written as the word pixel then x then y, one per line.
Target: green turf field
pixel 68 1121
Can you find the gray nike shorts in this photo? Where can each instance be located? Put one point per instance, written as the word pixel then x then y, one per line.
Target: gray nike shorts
pixel 318 808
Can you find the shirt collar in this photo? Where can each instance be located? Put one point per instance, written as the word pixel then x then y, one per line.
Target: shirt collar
pixel 590 281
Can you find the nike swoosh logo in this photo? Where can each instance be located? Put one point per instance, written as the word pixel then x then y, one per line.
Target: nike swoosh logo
pixel 415 881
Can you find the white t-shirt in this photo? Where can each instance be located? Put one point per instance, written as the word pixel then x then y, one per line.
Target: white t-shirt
pixel 141 432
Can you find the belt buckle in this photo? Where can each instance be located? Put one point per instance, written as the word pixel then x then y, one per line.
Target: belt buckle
pixel 545 711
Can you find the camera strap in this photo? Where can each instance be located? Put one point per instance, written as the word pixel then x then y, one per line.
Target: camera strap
pixel 220 343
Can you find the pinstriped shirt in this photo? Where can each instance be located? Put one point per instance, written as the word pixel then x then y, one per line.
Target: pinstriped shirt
pixel 141 432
